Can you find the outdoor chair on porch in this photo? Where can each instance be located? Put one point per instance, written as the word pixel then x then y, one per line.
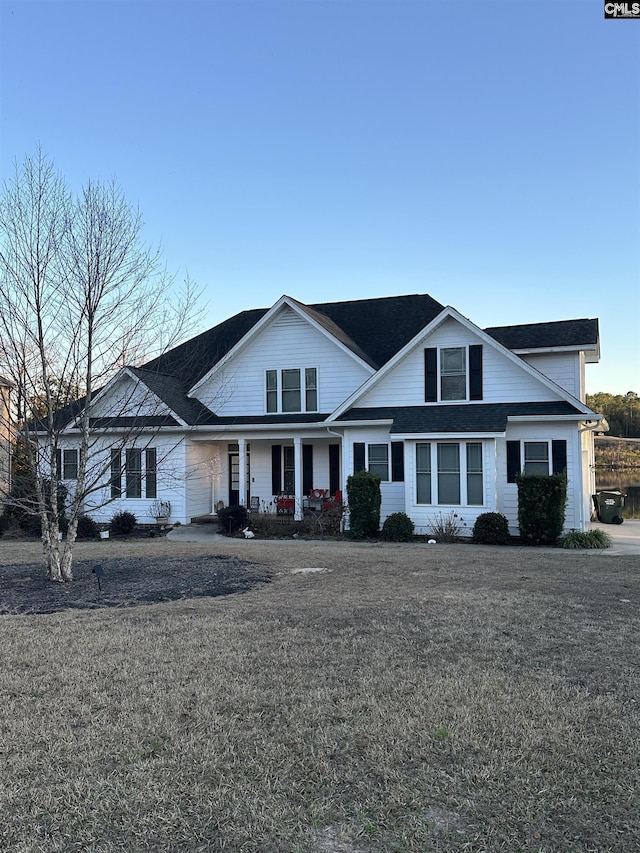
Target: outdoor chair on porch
pixel 333 502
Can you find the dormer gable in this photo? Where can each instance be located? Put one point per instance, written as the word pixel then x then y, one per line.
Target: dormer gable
pixel 453 362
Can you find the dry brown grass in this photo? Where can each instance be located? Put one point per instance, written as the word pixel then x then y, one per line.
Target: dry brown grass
pixel 410 698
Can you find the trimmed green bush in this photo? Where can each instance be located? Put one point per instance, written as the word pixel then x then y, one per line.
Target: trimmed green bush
pixel 541 507
pixel 123 523
pixel 397 527
pixel 232 519
pixel 491 528
pixel 87 528
pixel 364 499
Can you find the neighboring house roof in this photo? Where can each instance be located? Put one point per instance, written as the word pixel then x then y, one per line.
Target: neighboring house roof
pixel 479 417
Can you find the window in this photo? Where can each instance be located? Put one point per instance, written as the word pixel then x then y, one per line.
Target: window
pixel 453 373
pixel 115 480
pixel 375 459
pixel 291 391
pixel 311 389
pixel 134 473
pixel 423 473
pixel 67 463
pixel 272 390
pixel 450 473
pixel 536 457
pixel 379 460
pixel 284 390
pixel 151 472
pixel 475 488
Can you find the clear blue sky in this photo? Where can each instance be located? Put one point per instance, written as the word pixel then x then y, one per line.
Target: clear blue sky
pixel 485 152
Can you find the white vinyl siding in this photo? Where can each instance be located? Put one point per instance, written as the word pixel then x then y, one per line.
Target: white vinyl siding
pixel 289 341
pixel 503 379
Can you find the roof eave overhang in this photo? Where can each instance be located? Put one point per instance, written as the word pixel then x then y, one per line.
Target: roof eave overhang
pixel 580 417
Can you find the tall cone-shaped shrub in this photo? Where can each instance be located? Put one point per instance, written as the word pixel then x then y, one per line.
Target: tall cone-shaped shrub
pixel 363 495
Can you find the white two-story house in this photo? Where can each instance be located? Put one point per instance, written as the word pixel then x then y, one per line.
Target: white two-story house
pixel 295 398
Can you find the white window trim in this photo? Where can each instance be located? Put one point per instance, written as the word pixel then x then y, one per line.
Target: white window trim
pixel 467 391
pixel 462 457
pixel 303 390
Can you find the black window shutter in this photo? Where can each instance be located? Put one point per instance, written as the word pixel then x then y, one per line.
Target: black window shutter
pixel 276 469
pixel 475 372
pixel 358 456
pixel 397 461
pixel 307 468
pixel 334 468
pixel 513 460
pixel 559 456
pixel 430 375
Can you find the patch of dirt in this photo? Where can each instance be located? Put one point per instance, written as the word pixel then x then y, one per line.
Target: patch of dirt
pixel 129 582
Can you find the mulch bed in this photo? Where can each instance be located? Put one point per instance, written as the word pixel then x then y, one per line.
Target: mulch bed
pixel 25 589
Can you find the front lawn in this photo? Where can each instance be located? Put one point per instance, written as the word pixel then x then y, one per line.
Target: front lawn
pixel 371 697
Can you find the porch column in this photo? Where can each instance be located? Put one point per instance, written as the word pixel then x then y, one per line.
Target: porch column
pixel 297 461
pixel 242 471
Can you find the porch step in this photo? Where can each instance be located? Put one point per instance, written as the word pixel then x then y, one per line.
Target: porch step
pixel 204 519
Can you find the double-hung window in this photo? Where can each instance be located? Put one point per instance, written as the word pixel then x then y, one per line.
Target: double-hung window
pixel 536 457
pixel 291 389
pixel 453 373
pixel 379 460
pixel 67 462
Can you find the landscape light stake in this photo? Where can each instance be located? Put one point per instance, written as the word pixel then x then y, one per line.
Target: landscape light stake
pixel 98 571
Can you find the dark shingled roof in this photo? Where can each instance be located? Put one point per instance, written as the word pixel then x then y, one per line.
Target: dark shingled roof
pixel 374 329
pixel 563 333
pixel 478 417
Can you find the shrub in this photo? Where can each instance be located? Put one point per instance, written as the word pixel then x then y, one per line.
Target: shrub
pixel 87 528
pixel 363 497
pixel 590 539
pixel 491 528
pixel 397 527
pixel 447 528
pixel 123 523
pixel 232 519
pixel 541 507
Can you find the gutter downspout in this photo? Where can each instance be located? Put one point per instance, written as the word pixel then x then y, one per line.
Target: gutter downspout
pixel 602 425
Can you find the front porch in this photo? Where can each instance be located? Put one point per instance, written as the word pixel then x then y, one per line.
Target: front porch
pixel 279 474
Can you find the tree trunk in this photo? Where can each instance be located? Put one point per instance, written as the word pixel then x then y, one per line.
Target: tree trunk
pixel 57 559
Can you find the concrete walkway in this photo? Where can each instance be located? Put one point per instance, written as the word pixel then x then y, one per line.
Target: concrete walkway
pixel 626 537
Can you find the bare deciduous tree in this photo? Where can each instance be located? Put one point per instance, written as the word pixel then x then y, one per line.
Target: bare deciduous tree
pixel 80 295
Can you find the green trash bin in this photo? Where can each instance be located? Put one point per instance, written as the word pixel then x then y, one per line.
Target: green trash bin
pixel 609 507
